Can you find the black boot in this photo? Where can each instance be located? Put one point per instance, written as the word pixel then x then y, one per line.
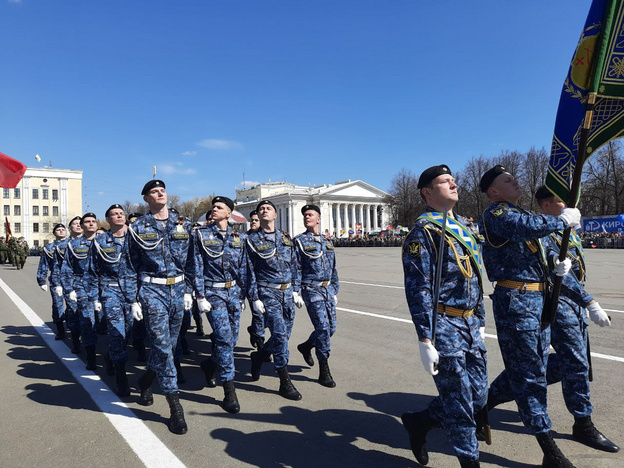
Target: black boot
pixel 200 327
pixel 139 346
pixel 470 464
pixel 121 378
pixel 325 377
pixel 586 433
pixel 257 358
pixel 492 401
pixel 287 389
pixel 210 368
pixel 417 425
pixel 185 347
pixel 230 402
pixel 178 366
pixel 305 349
pixel 110 366
pixel 553 458
pixel 75 343
pixel 91 365
pixel 145 387
pixel 253 338
pixel 60 330
pixel 177 424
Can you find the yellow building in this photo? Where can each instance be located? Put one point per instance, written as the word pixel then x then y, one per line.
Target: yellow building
pixel 44 197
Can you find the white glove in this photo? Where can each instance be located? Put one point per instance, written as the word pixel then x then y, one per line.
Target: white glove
pixel 598 315
pixel 203 305
pixel 429 357
pixel 44 287
pixel 59 291
pixel 297 300
pixel 73 297
pixel 188 301
pixel 243 305
pixel 259 306
pixel 562 268
pixel 482 332
pixel 572 216
pixel 97 306
pixel 335 300
pixel 137 312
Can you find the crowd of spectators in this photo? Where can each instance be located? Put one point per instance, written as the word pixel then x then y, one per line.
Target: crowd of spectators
pixel 602 240
pixel 384 240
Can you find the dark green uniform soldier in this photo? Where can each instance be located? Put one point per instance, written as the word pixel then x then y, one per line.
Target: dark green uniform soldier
pixel 25 250
pixel 4 251
pixel 14 252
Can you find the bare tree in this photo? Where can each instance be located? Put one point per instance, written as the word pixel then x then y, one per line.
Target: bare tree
pixel 603 186
pixel 405 202
pixel 471 201
pixel 535 169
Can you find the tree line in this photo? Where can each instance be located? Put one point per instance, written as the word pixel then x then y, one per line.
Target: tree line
pixel 602 189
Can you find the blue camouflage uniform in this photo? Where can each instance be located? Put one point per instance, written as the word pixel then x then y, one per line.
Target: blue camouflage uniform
pixel 108 255
pixel 71 308
pixel 514 256
pixel 316 261
pixel 257 317
pixel 49 271
pixel 77 275
pixel 462 370
pixel 219 270
pixel 272 270
pixel 158 252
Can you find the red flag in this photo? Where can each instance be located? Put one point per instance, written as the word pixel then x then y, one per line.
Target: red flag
pixel 11 171
pixel 8 227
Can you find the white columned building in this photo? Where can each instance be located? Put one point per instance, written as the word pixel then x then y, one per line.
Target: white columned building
pixel 342 205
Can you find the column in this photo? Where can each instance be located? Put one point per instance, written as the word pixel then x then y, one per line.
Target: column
pixel 353 217
pixel 362 217
pixel 338 224
pixel 368 219
pixel 345 217
pixel 375 219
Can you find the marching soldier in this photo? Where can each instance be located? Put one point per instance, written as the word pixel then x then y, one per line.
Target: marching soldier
pixel 450 332
pixel 520 264
pixel 49 270
pixel 158 247
pixel 256 329
pixel 4 251
pixel 273 279
pixel 316 261
pixel 219 270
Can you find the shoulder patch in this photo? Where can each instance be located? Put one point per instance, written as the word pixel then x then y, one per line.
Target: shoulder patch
pixel 413 249
pixel 500 211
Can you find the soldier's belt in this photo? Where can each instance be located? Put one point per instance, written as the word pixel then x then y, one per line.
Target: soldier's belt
pixel 316 283
pixel 521 286
pixel 168 281
pixel 226 285
pixel 281 286
pixel 454 312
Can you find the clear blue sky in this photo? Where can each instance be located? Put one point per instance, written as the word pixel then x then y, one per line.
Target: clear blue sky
pixel 309 91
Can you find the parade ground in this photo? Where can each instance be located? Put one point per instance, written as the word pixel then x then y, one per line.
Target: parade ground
pixel 56 414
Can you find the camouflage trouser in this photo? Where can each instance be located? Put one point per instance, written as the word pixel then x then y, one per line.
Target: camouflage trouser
pixel 71 314
pixel 86 316
pixel 280 314
pixel 524 345
pixel 224 319
pixel 322 311
pixel 119 321
pixel 163 308
pixel 58 306
pixel 461 382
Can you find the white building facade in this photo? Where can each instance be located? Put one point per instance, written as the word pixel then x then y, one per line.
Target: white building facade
pixel 347 207
pixel 44 197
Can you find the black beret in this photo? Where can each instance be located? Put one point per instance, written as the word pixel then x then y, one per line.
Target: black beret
pixel 489 177
pixel 253 213
pixel 56 226
pixel 116 206
pixel 265 202
pixel 134 215
pixel 225 200
pixel 543 193
pixel 151 184
pixel 310 207
pixel 74 219
pixel 87 215
pixel 429 174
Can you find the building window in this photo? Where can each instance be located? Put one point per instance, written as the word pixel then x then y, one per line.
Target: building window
pixel 7 210
pixel 44 193
pixel 6 193
pixel 54 194
pixel 35 227
pixel 17 193
pixel 55 211
pixel 46 228
pixel 17 210
pixel 46 211
pixel 35 194
pixel 36 243
pixel 18 228
pixel 35 210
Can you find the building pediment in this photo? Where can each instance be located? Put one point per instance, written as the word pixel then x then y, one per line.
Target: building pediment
pixel 353 189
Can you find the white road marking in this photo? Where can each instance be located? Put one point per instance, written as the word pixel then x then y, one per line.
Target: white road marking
pixel 487 335
pixel 149 448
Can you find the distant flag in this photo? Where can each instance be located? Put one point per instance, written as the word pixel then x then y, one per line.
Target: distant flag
pixel 592 97
pixel 7 226
pixel 38 158
pixel 11 171
pixel 153 172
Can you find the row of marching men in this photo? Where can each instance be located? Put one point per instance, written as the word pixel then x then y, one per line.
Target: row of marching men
pixel 139 278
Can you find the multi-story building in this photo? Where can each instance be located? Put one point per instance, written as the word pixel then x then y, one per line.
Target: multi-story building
pixel 45 196
pixel 347 207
